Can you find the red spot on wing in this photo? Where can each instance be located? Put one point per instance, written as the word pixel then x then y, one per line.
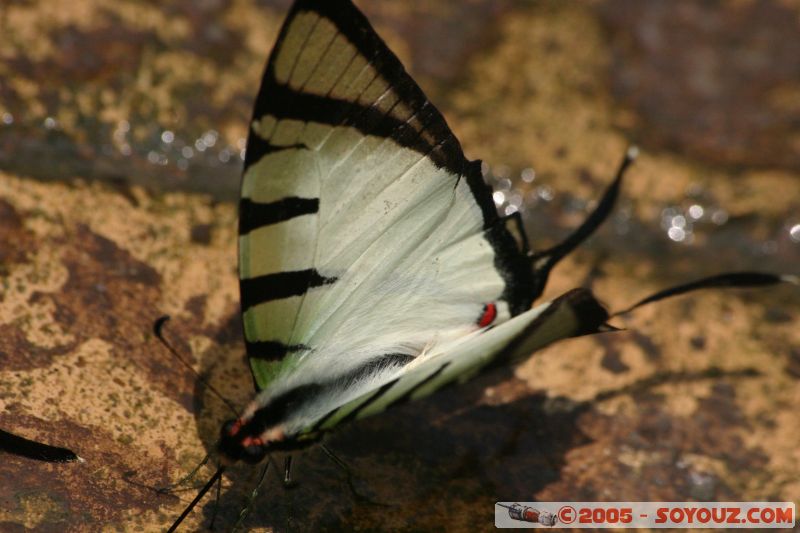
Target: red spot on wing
pixel 488 316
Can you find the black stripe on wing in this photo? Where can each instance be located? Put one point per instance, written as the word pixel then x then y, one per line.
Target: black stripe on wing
pixel 380 392
pixel 510 261
pixel 271 350
pixel 253 215
pixel 258 148
pixel 279 407
pixel 383 389
pixel 425 132
pixel 286 103
pixel 406 396
pixel 438 141
pixel 355 26
pixel 280 285
pixel 280 101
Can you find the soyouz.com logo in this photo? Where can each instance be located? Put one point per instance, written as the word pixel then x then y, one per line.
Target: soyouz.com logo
pixel 632 515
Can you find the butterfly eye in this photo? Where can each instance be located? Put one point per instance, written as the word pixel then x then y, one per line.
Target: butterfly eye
pixel 253 453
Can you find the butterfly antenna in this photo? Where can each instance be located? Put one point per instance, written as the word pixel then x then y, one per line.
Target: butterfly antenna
pixel 544 261
pixel 217 475
pixel 158 330
pixel 728 279
pixel 251 500
pixel 185 479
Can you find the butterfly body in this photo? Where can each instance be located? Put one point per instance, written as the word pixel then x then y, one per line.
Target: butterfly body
pixel 374 268
pixel 369 246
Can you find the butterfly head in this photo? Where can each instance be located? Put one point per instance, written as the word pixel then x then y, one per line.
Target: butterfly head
pixel 247 440
pixel 243 440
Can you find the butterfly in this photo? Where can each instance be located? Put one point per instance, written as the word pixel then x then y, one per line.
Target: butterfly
pixel 374 268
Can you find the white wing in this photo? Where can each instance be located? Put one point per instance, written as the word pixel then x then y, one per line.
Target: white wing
pixel 575 313
pixel 366 237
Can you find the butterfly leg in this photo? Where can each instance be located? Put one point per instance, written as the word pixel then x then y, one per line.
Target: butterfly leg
pixel 287 472
pixel 287 497
pixel 216 504
pixel 185 479
pixel 251 500
pixel 349 477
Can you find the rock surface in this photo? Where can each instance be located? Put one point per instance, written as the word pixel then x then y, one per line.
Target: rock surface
pixel 107 222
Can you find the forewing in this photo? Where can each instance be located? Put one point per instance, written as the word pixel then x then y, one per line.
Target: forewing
pixel 363 228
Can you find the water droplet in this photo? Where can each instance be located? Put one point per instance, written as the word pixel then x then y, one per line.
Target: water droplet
pixel 167 136
pixel 199 145
pixel 667 214
pixel 676 234
pixel 719 217
pixel 545 192
pixel 515 199
pixel 499 197
pixel 210 138
pixel 187 152
pixel 224 155
pixel 696 211
pixel 125 149
pixel 50 123
pixel 8 118
pixel 794 233
pixel 504 184
pixel 528 175
pixel 152 157
pixel 678 221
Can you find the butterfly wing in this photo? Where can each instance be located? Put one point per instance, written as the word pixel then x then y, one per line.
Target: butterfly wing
pixel 364 231
pixel 575 313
